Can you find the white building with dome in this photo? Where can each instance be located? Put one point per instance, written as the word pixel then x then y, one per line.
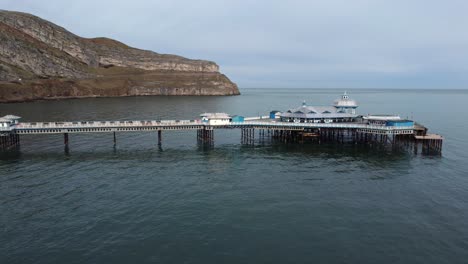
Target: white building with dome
pixel 342 110
pixel 345 104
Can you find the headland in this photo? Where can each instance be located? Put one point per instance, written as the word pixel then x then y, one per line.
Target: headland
pixel 41 60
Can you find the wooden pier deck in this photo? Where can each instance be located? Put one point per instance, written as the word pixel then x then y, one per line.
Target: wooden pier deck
pixel 429 137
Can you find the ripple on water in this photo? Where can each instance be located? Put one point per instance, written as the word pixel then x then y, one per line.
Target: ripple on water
pixel 183 202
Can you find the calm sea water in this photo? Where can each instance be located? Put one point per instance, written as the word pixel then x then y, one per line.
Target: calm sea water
pixel 233 203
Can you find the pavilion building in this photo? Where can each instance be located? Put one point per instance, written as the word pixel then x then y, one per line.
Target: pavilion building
pixel 342 110
pixel 8 121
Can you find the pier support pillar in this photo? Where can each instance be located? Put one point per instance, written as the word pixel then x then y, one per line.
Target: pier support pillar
pixel 205 136
pixel 65 139
pixel 2 142
pixel 159 137
pixel 115 139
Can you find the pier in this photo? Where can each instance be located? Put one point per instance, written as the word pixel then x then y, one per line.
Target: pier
pixel 338 123
pixel 254 128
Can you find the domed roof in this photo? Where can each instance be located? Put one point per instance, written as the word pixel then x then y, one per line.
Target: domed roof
pixel 345 101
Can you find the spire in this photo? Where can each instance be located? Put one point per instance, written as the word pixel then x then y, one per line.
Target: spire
pixel 345 96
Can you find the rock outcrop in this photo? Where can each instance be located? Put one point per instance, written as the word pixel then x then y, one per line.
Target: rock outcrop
pixel 40 60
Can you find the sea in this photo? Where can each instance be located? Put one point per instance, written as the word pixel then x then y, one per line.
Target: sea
pixel 267 202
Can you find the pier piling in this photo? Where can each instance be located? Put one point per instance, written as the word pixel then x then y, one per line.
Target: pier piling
pixel 205 136
pixel 65 139
pixel 9 141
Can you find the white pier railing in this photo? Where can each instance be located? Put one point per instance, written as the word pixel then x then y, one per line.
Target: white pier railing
pixel 105 124
pixel 132 125
pixel 321 125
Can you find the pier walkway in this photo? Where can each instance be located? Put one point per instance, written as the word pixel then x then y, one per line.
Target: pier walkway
pixel 155 125
pixel 357 132
pixel 105 126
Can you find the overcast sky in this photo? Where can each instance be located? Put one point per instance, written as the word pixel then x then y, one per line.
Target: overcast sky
pixel 290 44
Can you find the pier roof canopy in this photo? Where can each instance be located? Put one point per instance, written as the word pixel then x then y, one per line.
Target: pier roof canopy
pixel 316 112
pixel 11 117
pixel 215 115
pixel 382 117
pixel 342 108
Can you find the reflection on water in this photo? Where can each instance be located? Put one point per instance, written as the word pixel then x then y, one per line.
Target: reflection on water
pixel 263 150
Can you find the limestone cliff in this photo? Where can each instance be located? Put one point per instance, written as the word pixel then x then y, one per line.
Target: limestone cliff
pixel 40 60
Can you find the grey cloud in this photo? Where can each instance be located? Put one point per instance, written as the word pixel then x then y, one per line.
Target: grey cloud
pixel 334 43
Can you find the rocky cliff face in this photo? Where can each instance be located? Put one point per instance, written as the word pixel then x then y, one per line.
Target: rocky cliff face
pixel 40 60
